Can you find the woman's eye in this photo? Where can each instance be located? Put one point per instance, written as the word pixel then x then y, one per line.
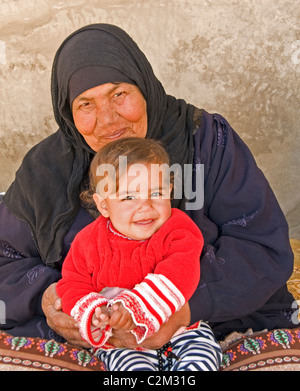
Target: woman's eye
pixel 86 106
pixel 119 94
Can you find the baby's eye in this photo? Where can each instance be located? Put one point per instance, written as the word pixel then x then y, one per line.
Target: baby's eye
pixel 128 197
pixel 156 194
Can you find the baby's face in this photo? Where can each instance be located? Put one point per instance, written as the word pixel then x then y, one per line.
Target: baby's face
pixel 142 204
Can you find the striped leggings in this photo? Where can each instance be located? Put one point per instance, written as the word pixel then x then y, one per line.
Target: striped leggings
pixel 197 350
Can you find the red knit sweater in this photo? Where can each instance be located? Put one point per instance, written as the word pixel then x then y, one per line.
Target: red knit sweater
pixel 159 274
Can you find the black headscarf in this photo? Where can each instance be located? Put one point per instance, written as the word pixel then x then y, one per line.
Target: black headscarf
pixel 45 193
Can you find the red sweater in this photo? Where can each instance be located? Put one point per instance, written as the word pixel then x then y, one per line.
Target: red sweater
pixel 158 274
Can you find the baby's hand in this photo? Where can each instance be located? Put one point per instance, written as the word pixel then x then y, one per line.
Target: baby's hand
pixel 100 317
pixel 121 318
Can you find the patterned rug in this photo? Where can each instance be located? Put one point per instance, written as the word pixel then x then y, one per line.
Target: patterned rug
pixel 36 354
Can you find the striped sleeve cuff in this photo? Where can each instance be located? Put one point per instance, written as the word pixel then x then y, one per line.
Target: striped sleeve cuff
pixel 151 303
pixel 83 311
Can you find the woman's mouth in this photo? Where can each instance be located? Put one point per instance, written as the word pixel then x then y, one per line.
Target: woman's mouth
pixel 116 134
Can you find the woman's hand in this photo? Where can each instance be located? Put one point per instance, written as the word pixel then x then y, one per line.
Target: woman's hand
pixel 125 339
pixel 58 321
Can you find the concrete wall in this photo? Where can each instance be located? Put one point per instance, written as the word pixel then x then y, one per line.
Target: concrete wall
pixel 240 58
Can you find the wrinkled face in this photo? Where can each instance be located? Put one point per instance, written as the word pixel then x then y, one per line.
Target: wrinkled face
pixel 108 112
pixel 141 205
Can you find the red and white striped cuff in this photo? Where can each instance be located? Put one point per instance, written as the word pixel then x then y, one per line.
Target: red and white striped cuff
pixel 151 303
pixel 83 312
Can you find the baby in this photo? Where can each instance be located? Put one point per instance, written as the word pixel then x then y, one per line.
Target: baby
pixel 138 263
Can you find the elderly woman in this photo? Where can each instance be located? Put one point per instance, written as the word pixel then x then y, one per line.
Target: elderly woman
pixel 103 88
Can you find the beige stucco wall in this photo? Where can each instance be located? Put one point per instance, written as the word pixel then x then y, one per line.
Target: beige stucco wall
pixel 240 58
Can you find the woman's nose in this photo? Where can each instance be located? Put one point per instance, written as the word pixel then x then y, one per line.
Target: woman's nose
pixel 106 114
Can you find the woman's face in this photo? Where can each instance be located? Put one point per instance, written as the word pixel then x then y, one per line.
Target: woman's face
pixel 108 112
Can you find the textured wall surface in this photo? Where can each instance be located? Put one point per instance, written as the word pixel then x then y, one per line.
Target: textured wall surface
pixel 240 58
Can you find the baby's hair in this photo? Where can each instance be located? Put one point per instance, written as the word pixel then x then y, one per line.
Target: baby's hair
pixel 135 149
